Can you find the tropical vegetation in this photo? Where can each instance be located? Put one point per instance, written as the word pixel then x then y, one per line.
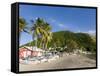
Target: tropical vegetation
pixel 45 39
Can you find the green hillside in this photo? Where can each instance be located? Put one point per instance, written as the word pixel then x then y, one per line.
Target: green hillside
pixel 71 40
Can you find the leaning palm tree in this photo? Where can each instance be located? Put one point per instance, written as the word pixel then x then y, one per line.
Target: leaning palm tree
pixel 22 28
pixel 48 34
pixel 49 38
pixel 43 39
pixel 22 25
pixel 41 29
pixel 36 29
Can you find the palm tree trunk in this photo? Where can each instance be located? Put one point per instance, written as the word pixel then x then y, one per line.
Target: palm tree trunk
pixel 41 42
pixel 36 43
pixel 46 44
pixel 33 40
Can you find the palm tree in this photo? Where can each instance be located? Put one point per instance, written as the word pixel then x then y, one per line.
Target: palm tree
pixel 22 25
pixel 48 35
pixel 41 29
pixel 49 38
pixel 36 29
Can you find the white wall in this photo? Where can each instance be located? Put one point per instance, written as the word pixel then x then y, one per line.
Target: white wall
pixel 5 24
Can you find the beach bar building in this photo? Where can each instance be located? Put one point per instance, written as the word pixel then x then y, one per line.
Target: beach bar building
pixel 25 52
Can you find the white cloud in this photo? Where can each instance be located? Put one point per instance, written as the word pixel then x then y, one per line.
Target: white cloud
pixel 61 25
pixel 91 32
pixel 52 20
pixel 57 23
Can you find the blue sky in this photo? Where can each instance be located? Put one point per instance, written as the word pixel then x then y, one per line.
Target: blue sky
pixel 60 18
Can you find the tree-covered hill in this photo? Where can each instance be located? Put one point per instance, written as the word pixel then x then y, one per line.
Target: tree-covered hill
pixel 71 40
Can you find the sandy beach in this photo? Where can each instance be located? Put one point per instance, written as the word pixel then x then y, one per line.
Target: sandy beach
pixel 71 61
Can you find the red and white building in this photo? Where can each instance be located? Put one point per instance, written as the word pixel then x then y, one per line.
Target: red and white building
pixel 28 52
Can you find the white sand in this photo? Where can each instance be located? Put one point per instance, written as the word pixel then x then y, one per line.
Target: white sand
pixel 71 61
